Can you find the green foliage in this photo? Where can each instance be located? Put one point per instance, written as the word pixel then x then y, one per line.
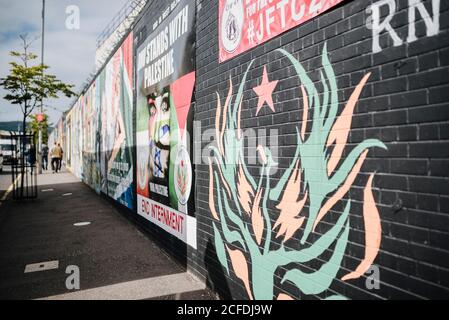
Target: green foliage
pixel 27 85
pixel 34 127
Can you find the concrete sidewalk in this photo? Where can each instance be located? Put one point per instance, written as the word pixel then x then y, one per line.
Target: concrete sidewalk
pixel 115 260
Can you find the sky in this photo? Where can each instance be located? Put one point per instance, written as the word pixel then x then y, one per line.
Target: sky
pixel 70 53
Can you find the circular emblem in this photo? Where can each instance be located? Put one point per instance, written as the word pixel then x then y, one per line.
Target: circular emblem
pixel 142 167
pixel 232 25
pixel 183 175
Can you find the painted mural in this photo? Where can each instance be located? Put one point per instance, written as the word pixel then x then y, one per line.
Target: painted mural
pixel 254 242
pixel 99 130
pixel 116 99
pixel 73 159
pixel 91 137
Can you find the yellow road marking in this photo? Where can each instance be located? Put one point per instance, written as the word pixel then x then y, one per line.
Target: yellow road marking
pixel 9 190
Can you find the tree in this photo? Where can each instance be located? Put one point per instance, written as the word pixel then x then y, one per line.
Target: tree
pixel 27 85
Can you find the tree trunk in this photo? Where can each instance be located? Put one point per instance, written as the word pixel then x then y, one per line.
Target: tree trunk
pixel 22 155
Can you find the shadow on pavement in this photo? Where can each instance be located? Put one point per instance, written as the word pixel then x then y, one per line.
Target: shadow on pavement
pixel 108 251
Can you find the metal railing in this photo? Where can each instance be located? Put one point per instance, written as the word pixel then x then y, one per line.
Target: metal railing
pixel 117 29
pixel 127 10
pixel 24 171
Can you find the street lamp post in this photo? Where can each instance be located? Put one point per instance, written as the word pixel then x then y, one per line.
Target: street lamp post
pixel 39 162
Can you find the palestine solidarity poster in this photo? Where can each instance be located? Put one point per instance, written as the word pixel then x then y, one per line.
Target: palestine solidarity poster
pixel 165 106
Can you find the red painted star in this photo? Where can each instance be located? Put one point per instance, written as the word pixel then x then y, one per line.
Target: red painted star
pixel 265 91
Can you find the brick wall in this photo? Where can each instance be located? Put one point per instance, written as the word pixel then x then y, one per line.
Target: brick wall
pixel 403 105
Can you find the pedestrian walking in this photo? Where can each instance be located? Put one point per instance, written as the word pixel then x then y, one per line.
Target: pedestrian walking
pixel 54 153
pixel 31 155
pixel 44 157
pixel 60 154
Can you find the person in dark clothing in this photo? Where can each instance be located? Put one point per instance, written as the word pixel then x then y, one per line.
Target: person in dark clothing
pixel 61 154
pixel 32 155
pixel 44 157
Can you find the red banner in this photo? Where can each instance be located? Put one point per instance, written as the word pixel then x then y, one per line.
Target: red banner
pixel 244 24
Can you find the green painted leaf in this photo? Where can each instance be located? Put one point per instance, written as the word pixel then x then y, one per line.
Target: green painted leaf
pixel 343 171
pixel 319 281
pixel 231 236
pixel 322 244
pixel 276 191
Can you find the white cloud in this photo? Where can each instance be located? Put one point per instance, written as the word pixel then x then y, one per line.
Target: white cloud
pixel 69 53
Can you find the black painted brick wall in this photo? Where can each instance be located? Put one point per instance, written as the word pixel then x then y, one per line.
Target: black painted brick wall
pixel 404 104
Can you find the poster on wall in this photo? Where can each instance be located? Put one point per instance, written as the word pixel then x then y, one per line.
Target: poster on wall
pixel 165 105
pixel 244 24
pixel 73 149
pixel 77 145
pixel 68 145
pixel 91 138
pixel 116 94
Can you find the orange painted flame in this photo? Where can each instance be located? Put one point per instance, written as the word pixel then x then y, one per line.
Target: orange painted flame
pixel 245 193
pixel 217 125
pixel 373 232
pixel 340 130
pixel 240 267
pixel 257 220
pixel 220 132
pixel 283 296
pixel 225 113
pixel 289 219
pixel 343 189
